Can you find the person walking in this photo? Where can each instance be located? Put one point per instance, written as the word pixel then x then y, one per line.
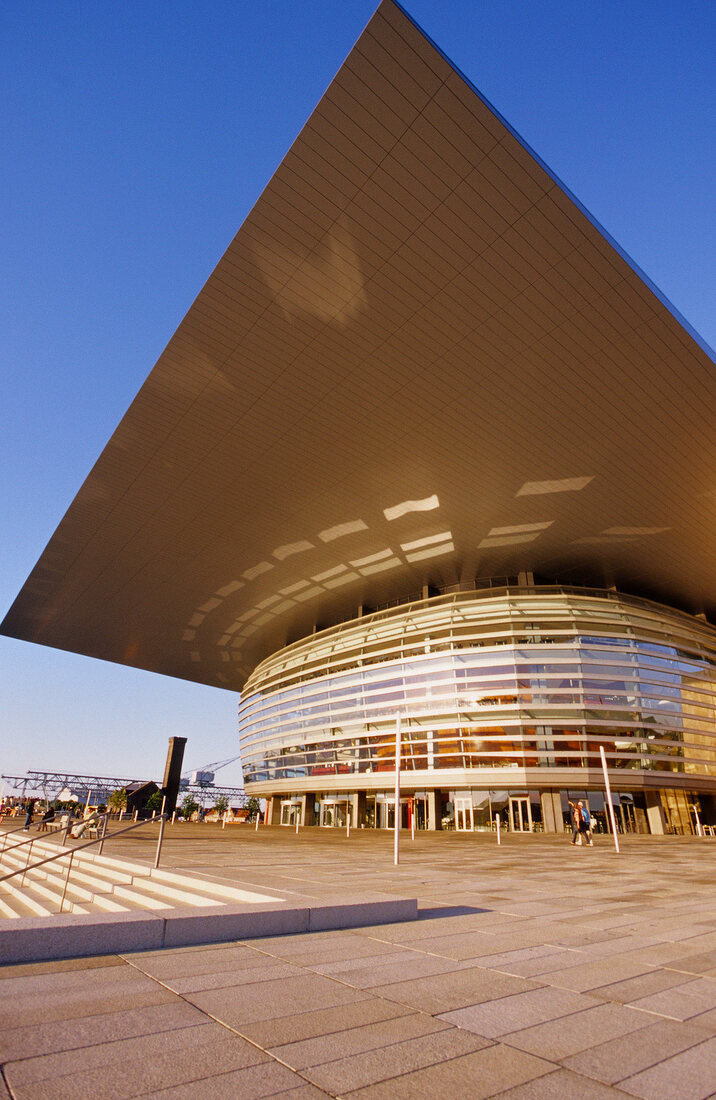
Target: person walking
pixel 574 818
pixel 30 809
pixel 585 824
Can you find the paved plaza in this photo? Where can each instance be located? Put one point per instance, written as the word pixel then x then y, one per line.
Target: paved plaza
pixel 536 970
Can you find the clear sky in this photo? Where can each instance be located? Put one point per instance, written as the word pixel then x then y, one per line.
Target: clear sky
pixel 135 138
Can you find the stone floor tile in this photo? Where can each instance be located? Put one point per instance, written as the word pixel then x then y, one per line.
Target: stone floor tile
pixel 697 964
pixel 444 992
pixel 630 990
pixel 495 1018
pixel 629 1054
pixel 56 966
pixel 560 1085
pixel 360 1070
pixel 244 1004
pixel 295 1027
pixel 78 1004
pixel 559 1038
pixel 51 1036
pixel 412 964
pixel 145 1067
pixel 682 1002
pixel 690 1075
pixel 232 977
pixel 186 961
pixel 478 1075
pixel 591 975
pixel 357 1040
pixel 252 1083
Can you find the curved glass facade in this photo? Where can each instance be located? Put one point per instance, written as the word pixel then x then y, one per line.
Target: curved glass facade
pixel 507 687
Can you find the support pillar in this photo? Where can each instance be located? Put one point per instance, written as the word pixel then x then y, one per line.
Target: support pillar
pixel 654 813
pixel 552 820
pixel 273 810
pixel 308 809
pixel 435 810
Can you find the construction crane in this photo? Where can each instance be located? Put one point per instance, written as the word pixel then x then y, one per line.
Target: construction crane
pixel 204 776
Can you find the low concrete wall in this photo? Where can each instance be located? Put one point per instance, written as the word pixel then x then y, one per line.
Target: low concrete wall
pixel 66 936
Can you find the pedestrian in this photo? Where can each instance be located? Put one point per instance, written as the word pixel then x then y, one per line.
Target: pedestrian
pixel 30 809
pixel 585 824
pixel 574 817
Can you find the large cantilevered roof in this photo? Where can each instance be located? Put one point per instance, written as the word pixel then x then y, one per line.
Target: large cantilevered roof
pixel 419 361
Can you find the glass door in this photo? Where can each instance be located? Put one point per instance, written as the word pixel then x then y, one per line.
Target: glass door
pixel 464 815
pixel 290 812
pixel 332 814
pixel 520 814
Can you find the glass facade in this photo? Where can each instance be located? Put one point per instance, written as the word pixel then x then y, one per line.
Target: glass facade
pixel 521 683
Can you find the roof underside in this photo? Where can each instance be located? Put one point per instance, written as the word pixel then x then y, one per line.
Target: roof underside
pixel 419 361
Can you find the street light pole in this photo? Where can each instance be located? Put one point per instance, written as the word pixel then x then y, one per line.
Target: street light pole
pixel 396 820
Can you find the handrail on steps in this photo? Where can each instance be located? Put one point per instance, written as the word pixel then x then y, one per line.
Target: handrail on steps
pixel 161 818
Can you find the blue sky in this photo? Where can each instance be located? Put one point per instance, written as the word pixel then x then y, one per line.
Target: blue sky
pixel 136 138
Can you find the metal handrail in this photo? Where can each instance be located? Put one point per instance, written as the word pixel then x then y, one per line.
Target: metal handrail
pixel 9 832
pixel 161 819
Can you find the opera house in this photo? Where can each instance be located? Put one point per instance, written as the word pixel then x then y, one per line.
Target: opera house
pixel 428 446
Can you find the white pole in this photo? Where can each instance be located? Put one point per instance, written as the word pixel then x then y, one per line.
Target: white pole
pixel 298 821
pixel 699 830
pixel 497 827
pixel 348 820
pixel 258 815
pixel 89 795
pixel 396 820
pixel 412 820
pixel 609 798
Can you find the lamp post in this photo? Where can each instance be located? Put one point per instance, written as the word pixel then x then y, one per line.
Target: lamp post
pixel 396 819
pixel 609 798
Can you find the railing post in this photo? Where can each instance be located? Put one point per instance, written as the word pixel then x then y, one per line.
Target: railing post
pixel 67 878
pixel 27 860
pixel 104 831
pixel 159 840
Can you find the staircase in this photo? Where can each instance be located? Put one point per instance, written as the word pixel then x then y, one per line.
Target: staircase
pixel 100 883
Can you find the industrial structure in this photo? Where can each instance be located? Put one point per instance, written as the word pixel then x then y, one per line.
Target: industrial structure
pixel 428 446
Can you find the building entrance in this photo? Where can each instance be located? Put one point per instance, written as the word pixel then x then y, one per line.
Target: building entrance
pixel 291 811
pixel 408 808
pixel 520 814
pixel 464 815
pixel 332 813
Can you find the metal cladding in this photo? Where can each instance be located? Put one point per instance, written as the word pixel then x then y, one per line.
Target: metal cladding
pixel 419 362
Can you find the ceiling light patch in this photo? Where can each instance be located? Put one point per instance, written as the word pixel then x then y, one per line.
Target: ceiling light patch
pixel 291 548
pixel 336 582
pixel 195 656
pixel 564 485
pixel 380 556
pixel 427 504
pixel 309 593
pixel 188 636
pixel 257 570
pixel 197 619
pixel 507 540
pixel 342 529
pixel 429 541
pixel 431 552
pixel 520 529
pixel 320 577
pixel 640 531
pixel 229 589
pixel 381 566
pixel 285 605
pixel 209 605
pixel 268 602
pixel 293 588
pixel 224 639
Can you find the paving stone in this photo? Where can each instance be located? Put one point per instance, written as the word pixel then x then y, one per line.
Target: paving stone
pixel 47 1037
pixel 119 1078
pixel 594 974
pixel 45 1007
pixel 239 1005
pixel 234 977
pixel 56 966
pixel 296 1027
pixel 444 992
pixel 629 1054
pixel 643 985
pixel 560 1084
pixel 255 1082
pixel 477 1075
pixel 409 965
pixel 186 961
pixel 360 1070
pixel 559 1038
pixel 356 1040
pixel 688 999
pixel 496 1018
pixel 690 1075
